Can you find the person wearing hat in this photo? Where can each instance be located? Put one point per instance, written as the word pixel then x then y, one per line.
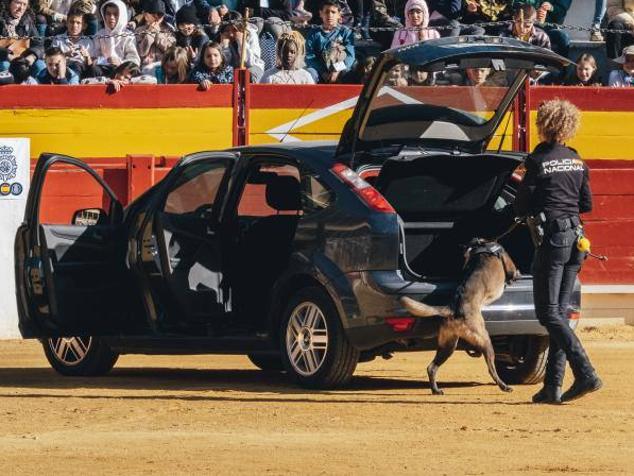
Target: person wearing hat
pixel 624 77
pixel 189 34
pixel 416 22
pixel 154 36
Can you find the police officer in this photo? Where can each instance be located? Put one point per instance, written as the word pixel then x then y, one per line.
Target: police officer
pixel 556 188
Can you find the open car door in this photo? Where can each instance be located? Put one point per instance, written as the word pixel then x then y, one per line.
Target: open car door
pixel 179 256
pixel 70 263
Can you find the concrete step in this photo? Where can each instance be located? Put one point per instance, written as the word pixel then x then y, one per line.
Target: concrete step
pixel 580 13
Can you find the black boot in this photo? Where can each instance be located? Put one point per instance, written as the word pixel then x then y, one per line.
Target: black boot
pixel 550 394
pixel 582 386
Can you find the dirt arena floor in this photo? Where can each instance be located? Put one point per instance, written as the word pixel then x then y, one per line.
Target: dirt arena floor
pixel 219 415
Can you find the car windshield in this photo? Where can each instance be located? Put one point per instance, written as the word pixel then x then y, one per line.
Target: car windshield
pixel 454 102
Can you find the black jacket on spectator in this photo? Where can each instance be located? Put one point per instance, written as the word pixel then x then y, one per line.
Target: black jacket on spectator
pixel 277 8
pixel 25 27
pixel 571 79
pixel 450 9
pixel 196 41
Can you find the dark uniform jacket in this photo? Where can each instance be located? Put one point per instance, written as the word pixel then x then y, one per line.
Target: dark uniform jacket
pixel 556 183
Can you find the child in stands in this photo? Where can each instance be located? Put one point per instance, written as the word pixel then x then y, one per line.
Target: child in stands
pixel 416 22
pixel 114 43
pixel 78 49
pixel 289 69
pixel 624 77
pixel 154 36
pixel 211 67
pixel 56 71
pixel 329 49
pixel 174 68
pixel 585 73
pixel 20 69
pixel 189 34
pixel 233 33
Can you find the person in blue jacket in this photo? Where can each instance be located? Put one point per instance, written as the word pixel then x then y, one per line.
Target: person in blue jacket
pixel 56 71
pixel 329 49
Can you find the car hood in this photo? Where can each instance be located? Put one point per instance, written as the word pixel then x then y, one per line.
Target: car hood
pixel 428 116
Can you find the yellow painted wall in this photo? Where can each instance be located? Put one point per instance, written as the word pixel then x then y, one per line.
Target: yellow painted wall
pixel 602 135
pixel 119 132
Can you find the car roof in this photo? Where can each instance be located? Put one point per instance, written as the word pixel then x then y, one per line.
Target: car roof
pixel 320 152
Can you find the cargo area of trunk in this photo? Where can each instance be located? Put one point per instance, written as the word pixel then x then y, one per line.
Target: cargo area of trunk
pixel 444 201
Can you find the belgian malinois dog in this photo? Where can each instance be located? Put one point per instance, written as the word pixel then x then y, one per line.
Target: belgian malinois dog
pixel 488 267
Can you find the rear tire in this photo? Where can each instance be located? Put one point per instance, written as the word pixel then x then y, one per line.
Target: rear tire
pixel 79 356
pixel 314 347
pixel 266 362
pixel 530 362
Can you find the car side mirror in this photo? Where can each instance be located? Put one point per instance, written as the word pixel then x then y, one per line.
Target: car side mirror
pixel 90 216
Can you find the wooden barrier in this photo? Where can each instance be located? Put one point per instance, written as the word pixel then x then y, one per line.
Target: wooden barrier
pixel 606 141
pixel 133 138
pixel 85 121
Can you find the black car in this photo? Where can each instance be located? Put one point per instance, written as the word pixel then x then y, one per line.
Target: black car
pixel 297 254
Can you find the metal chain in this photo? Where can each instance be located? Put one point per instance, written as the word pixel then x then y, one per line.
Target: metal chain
pixel 491 24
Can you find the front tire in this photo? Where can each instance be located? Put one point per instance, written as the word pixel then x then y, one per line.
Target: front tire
pixel 315 350
pixel 528 364
pixel 79 356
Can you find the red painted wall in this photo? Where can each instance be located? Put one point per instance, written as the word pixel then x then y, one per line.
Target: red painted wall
pixel 608 226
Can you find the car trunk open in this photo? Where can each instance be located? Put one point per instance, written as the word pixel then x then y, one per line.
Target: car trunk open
pixel 446 200
pixel 447 109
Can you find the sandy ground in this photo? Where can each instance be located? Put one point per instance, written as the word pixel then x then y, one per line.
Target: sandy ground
pixel 219 415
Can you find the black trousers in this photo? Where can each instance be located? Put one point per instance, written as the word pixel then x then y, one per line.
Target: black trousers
pixel 555 266
pixel 615 42
pixel 455 28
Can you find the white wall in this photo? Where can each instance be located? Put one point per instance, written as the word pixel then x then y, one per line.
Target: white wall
pixel 14 188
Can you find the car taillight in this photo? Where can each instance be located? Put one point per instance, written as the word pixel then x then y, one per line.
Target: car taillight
pixel 371 196
pixel 400 324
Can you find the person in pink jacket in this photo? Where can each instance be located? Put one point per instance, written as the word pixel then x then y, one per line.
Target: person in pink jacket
pixel 416 16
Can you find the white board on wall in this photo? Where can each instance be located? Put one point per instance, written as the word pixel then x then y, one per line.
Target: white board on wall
pixel 14 188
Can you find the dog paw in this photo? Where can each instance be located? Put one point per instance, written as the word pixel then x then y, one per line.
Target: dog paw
pixel 437 392
pixel 507 389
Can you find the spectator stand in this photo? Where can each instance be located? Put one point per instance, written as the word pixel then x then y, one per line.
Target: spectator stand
pixel 581 13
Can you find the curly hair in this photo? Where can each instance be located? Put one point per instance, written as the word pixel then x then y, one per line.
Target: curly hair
pixel 558 120
pixel 293 38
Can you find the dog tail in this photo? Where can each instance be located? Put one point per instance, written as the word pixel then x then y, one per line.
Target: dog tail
pixel 419 309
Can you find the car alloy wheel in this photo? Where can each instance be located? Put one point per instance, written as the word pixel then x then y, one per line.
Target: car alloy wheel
pixel 307 339
pixel 70 351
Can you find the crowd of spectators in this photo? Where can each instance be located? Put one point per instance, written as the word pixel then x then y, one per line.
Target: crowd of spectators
pixel 116 42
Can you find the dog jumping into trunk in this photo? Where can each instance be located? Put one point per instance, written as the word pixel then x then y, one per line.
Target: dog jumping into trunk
pixel 488 268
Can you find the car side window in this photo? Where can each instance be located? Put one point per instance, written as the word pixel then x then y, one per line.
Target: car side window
pixel 197 187
pixel 315 195
pixel 271 189
pixel 71 196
